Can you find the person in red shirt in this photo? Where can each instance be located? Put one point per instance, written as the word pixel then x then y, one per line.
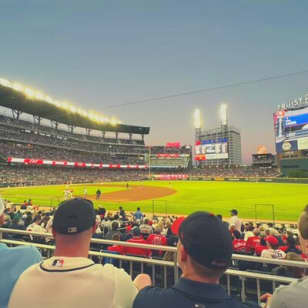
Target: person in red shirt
pixel 116 248
pixel 136 251
pixel 157 239
pixel 239 245
pixel 253 241
pixel 259 248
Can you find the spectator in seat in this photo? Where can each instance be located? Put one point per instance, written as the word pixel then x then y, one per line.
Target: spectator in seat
pixel 28 219
pixel 248 231
pixel 157 238
pixel 262 246
pixel 272 251
pixel 36 226
pixel 114 230
pixel 136 251
pixel 295 294
pixel 253 241
pixel 13 261
pixel 116 248
pixel 69 279
pixel 291 271
pixel 145 228
pixel 238 244
pixel 204 253
pixel 291 245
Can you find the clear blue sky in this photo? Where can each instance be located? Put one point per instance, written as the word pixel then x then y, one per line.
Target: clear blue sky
pixel 101 53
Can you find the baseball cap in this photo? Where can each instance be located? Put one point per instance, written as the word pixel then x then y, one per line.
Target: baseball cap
pixel 74 216
pixel 272 240
pixel 234 211
pixel 207 240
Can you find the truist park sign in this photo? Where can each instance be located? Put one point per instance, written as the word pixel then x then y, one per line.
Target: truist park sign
pixel 299 102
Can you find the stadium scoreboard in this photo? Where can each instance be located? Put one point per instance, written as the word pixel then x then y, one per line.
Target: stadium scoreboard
pixel 291 130
pixel 211 149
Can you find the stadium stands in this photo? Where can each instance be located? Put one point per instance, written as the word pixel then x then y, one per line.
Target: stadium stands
pixel 170 158
pixel 40 175
pixel 129 230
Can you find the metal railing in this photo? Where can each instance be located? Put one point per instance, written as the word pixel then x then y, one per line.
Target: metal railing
pixel 167 272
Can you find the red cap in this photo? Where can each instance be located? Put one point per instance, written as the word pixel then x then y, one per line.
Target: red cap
pixel 176 225
pixel 272 240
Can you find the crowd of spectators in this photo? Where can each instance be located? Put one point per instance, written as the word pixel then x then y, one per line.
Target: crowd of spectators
pixel 34 151
pixel 134 227
pixel 28 126
pixel 274 241
pixel 16 175
pixel 35 142
pixel 238 172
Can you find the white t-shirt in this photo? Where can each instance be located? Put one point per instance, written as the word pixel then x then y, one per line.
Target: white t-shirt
pixel 146 229
pixel 49 224
pixel 73 283
pixel 273 254
pixel 248 234
pixel 36 228
pixel 234 220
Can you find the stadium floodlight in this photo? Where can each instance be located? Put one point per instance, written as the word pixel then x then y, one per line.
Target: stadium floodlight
pixel 17 87
pixel 5 83
pixel 29 93
pixel 197 119
pixel 113 122
pixel 223 113
pixel 49 100
pixel 37 95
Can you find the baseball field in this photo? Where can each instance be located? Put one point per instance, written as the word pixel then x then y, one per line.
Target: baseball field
pixel 252 200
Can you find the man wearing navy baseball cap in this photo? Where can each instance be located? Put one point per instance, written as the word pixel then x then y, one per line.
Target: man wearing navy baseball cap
pixel 69 279
pixel 204 253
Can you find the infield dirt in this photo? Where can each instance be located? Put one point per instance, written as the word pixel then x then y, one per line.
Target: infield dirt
pixel 134 193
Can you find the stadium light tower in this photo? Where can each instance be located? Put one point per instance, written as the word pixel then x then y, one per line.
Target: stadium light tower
pixel 223 114
pixel 197 119
pixel 197 126
pixel 197 123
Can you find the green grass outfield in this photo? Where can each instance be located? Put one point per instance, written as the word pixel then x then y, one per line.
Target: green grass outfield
pixel 216 197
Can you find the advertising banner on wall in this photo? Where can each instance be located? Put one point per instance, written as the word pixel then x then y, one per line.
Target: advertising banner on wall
pixel 30 161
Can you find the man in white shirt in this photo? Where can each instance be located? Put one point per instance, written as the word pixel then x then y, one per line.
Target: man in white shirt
pixel 36 226
pixel 69 279
pixel 272 251
pixel 234 220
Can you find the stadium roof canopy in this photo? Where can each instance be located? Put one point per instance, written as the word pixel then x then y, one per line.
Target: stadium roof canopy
pixel 17 100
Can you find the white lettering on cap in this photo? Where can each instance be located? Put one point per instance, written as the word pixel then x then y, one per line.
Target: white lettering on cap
pixel 72 230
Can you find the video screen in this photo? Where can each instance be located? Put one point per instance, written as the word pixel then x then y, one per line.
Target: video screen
pixel 211 149
pixel 291 130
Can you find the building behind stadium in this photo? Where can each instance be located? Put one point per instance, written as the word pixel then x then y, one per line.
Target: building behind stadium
pixel 219 146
